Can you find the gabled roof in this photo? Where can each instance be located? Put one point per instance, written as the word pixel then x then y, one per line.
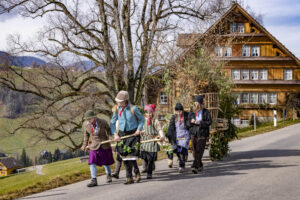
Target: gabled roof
pixel 250 18
pixel 10 162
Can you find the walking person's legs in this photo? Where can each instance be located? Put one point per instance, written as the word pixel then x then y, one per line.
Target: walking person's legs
pixel 136 170
pixel 108 173
pixel 128 167
pixel 93 170
pixel 118 166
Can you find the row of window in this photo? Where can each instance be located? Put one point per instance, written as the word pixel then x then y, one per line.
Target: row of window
pixel 245 74
pixel 255 98
pixel 238 122
pixel 255 74
pixel 247 51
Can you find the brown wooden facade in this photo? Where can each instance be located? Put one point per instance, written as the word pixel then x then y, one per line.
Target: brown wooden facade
pixel 263 70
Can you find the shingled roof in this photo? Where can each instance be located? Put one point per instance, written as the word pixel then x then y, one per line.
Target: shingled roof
pixel 187 39
pixel 10 162
pixel 235 6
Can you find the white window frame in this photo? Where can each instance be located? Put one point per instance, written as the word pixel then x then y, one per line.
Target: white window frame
pixel 244 72
pixel 255 51
pixel 254 98
pixel 263 74
pixel 236 121
pixel 263 96
pixel 236 74
pixel 246 51
pixel 243 122
pixel 253 74
pixel 227 51
pixel 288 74
pixel 163 98
pixel 243 100
pixel 272 98
pixel 241 28
pixel 218 51
pixel 233 27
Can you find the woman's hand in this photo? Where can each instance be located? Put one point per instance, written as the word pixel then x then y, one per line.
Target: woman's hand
pixel 193 121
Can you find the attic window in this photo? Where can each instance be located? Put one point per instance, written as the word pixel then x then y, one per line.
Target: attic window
pixel 237 28
pixel 278 54
pixel 232 27
pixel 241 28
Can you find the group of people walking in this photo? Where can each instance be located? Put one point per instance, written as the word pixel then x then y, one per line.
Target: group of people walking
pixel 129 128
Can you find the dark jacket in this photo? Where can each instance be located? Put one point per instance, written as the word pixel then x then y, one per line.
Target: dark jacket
pixel 201 130
pixel 171 134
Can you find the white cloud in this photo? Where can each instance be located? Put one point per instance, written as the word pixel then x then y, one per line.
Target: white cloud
pixel 26 27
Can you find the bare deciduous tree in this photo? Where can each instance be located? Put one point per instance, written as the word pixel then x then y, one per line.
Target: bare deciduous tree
pixel 128 38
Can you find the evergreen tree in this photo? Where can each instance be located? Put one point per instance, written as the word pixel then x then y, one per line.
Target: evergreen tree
pixel 57 155
pixel 23 158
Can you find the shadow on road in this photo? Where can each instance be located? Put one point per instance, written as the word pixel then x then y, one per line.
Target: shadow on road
pixel 267 153
pixel 236 164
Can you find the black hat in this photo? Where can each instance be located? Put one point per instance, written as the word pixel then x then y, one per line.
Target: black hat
pixel 178 106
pixel 199 99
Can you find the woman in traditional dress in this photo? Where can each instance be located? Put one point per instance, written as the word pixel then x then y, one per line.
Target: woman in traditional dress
pixel 95 131
pixel 178 135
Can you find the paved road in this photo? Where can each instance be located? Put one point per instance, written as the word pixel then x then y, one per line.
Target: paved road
pixel 263 167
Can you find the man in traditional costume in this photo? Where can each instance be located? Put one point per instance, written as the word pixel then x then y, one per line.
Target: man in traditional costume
pixel 200 120
pixel 95 131
pixel 130 122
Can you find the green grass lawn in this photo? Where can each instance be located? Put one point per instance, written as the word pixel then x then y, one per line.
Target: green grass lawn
pixel 56 174
pixel 264 127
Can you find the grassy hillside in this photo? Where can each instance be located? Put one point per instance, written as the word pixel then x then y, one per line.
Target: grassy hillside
pixel 28 139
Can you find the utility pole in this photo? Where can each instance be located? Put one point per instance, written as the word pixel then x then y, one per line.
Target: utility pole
pixel 254 121
pixel 275 117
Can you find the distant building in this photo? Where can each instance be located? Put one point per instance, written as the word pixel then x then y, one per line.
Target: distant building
pixel 8 165
pixel 2 155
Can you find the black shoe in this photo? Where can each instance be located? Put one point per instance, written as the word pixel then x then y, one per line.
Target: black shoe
pixel 149 176
pixel 115 176
pixel 195 170
pixel 93 183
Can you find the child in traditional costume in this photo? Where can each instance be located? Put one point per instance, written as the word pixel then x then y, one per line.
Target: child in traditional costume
pixel 152 129
pixel 95 131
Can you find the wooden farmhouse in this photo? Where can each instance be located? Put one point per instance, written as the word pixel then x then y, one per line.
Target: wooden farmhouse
pixel 8 165
pixel 266 75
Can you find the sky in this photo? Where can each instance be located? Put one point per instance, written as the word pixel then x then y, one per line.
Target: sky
pixel 280 17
